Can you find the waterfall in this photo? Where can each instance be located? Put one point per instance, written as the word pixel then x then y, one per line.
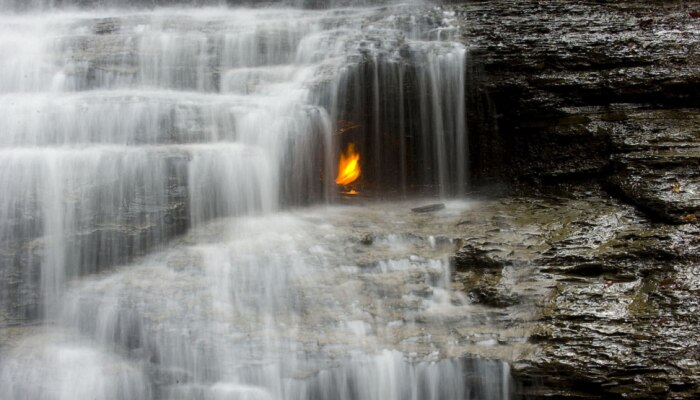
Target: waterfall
pixel 165 173
pixel 121 130
pixel 409 102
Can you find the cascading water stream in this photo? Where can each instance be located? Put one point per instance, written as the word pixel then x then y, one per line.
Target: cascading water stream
pixel 148 157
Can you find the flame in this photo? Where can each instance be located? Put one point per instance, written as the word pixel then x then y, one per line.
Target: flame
pixel 348 166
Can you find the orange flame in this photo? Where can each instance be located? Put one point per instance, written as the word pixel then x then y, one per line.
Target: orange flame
pixel 348 166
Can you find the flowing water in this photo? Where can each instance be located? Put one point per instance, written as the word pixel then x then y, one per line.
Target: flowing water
pixel 160 167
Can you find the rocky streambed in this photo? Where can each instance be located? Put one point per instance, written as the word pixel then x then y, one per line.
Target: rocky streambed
pixel 582 295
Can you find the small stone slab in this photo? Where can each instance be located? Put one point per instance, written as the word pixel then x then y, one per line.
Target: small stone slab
pixel 429 208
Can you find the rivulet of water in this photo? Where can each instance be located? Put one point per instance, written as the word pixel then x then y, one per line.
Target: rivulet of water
pixel 150 157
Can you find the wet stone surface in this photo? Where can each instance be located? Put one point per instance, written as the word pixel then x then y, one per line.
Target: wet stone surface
pixel 589 90
pixel 656 162
pixel 583 295
pixel 617 294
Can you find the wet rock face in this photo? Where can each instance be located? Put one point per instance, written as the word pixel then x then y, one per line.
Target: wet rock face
pixel 657 154
pixel 616 294
pixel 590 89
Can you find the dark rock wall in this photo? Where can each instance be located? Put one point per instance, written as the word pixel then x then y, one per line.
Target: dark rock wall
pixel 603 94
pixel 573 84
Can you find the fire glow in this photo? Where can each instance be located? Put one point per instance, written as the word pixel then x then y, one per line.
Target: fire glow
pixel 348 166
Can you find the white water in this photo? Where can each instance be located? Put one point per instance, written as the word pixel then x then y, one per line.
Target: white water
pixel 286 306
pixel 123 128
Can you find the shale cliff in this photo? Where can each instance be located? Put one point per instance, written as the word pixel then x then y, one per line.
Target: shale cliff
pixel 591 110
